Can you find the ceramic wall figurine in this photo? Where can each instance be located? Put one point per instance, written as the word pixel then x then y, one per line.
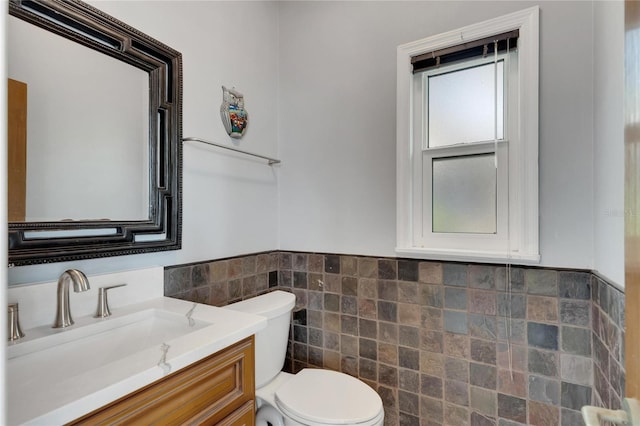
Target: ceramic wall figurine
pixel 234 117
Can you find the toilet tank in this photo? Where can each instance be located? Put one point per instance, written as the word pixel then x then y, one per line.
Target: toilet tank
pixel 271 342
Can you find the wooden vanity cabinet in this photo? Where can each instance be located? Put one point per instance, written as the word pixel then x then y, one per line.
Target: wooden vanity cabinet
pixel 217 390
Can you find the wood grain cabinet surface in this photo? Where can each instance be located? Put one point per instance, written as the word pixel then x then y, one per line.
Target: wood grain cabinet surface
pixel 217 390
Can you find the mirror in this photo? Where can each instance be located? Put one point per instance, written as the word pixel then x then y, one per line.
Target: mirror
pixel 102 136
pixel 72 109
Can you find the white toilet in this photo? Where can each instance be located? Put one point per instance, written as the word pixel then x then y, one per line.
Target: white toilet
pixel 313 397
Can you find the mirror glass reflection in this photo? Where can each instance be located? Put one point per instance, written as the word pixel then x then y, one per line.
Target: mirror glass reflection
pixel 87 143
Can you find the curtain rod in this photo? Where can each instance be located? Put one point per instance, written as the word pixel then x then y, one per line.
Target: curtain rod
pixel 270 160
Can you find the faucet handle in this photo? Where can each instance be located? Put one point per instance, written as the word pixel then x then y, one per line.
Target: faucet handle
pixel 103 305
pixel 15 332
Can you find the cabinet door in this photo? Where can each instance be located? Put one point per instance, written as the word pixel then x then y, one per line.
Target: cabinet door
pixel 244 416
pixel 206 392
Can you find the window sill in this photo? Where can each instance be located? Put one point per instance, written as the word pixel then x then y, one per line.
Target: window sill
pixel 468 255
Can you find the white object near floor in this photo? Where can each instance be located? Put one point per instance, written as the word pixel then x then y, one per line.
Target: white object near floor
pixel 629 416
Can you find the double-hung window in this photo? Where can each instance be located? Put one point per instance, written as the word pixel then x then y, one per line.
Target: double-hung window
pixel 467 142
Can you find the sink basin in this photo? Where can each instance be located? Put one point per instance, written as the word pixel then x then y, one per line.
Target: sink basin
pixel 56 375
pixel 84 348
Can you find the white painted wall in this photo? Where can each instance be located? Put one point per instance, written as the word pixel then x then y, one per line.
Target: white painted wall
pixel 319 85
pixel 337 121
pixel 230 202
pixel 608 124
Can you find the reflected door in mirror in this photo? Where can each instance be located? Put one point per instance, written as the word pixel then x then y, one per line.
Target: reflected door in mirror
pixel 17 149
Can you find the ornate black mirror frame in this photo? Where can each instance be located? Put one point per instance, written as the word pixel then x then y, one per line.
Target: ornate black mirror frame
pixel 77 240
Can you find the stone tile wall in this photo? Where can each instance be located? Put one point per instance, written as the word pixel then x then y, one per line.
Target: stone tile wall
pixel 443 343
pixel 608 344
pixel 223 281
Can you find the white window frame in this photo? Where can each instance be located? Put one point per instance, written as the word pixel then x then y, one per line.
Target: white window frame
pixel 522 244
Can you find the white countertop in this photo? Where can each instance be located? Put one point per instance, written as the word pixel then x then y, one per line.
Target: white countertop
pixel 48 393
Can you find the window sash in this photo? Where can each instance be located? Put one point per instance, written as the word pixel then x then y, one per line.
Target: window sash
pixel 424 236
pixel 422 191
pixel 474 63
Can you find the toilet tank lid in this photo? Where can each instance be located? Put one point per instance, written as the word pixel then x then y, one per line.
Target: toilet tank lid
pixel 268 305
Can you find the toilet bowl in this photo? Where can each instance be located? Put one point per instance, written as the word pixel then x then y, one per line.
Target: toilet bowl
pixel 312 397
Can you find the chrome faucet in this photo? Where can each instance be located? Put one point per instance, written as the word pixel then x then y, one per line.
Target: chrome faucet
pixel 63 311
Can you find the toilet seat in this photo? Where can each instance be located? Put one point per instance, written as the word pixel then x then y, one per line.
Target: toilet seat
pixel 324 397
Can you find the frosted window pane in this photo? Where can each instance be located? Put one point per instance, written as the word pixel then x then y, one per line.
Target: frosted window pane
pixel 464 194
pixel 461 106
